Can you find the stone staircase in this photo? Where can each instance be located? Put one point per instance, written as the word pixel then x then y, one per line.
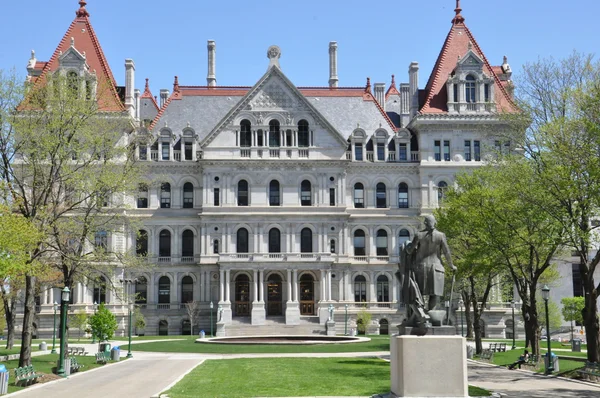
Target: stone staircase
pixel 275 326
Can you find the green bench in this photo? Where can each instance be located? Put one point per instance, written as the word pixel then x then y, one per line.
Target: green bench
pixel 75 366
pixel 102 357
pixel 590 369
pixel 25 375
pixel 532 361
pixel 487 355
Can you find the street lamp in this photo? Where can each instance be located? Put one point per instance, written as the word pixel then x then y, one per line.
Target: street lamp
pixel 64 301
pixel 129 355
pixel 512 305
pixel 94 334
pixel 550 362
pixel 462 326
pixel 54 330
pixel 447 304
pixel 346 320
pixel 211 318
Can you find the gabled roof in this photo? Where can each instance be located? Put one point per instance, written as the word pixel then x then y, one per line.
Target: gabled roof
pixel 148 94
pixel 392 90
pixel 86 42
pixel 457 45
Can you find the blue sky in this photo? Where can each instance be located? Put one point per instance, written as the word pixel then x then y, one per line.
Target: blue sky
pixel 376 38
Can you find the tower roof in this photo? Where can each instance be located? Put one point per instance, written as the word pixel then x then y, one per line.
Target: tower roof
pixel 458 42
pixel 148 94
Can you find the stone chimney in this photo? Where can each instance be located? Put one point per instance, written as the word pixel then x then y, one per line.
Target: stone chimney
pixel 129 86
pixel 413 84
pixel 136 98
pixel 164 96
pixel 211 78
pixel 333 75
pixel 380 94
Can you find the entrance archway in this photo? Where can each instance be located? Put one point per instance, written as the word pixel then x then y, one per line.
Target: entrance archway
pixel 242 295
pixel 163 328
pixel 307 295
pixel 274 295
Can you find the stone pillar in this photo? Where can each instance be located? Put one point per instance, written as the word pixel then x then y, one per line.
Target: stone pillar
pixel 292 308
pixel 372 296
pixel 328 285
pixel 228 286
pixel 295 286
pixel 221 286
pixel 262 286
pixel 258 305
pixel 211 79
pixel 333 76
pixel 289 286
pixel 255 291
pixel 129 86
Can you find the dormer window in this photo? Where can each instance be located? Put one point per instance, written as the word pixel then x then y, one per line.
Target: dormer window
pixel 245 134
pixel 470 88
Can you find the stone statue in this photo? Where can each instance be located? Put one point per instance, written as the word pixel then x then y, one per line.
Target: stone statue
pixel 421 273
pixel 330 312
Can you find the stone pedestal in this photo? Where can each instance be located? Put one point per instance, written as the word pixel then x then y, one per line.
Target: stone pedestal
pixel 431 331
pixel 330 328
pixel 225 316
pixel 292 313
pixel 258 313
pixel 428 366
pixel 220 329
pixel 323 313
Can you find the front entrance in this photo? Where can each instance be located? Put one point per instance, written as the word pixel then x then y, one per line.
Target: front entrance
pixel 307 295
pixel 242 296
pixel 274 295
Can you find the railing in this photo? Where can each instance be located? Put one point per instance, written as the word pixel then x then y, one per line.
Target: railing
pixel 164 259
pixel 361 258
pixel 383 258
pixel 177 155
pixel 348 155
pixel 414 157
pixel 273 153
pixel 471 106
pixel 154 155
pixel 245 153
pixel 391 156
pixel 163 306
pixel 370 157
pixel 188 259
pixel 303 153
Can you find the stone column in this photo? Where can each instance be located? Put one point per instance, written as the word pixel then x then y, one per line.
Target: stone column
pixel 289 286
pixel 295 286
pixel 228 286
pixel 372 296
pixel 255 292
pixel 221 285
pixel 262 287
pixel 328 285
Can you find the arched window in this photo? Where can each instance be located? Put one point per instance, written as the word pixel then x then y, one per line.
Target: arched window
pixel 216 246
pixel 305 193
pixel 142 198
pixel 242 240
pixel 442 186
pixel 381 241
pixel 470 89
pixel 187 243
pixel 187 289
pixel 141 290
pixel 380 196
pixel 141 244
pixel 164 243
pixel 403 236
pixel 274 241
pixel 359 243
pixel 274 195
pixel 360 289
pixel 99 290
pixel 245 134
pixel 188 195
pixel 274 136
pixel 165 195
pixel 306 240
pixel 383 289
pixel 303 134
pixel 164 290
pixel 403 195
pixel 242 193
pixel 101 240
pixel 359 195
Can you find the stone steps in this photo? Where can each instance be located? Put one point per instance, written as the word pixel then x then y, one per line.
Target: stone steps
pixel 275 327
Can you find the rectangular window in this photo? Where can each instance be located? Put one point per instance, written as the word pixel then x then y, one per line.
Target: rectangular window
pixel 358 152
pixel 331 196
pixel 455 87
pixel 577 282
pixel 447 151
pixel 477 150
pixel 259 138
pixel 216 246
pixel 486 92
pixel 165 151
pixel 188 151
pixel 468 150
pixel 143 152
pixel 437 150
pixel 216 196
pixel 402 153
pixel 381 151
pixel 288 138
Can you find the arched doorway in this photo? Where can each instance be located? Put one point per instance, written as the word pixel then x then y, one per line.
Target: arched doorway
pixel 274 295
pixel 384 326
pixel 242 295
pixel 186 327
pixel 307 295
pixel 163 328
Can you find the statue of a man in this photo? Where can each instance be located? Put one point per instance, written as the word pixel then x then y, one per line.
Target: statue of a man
pixel 421 271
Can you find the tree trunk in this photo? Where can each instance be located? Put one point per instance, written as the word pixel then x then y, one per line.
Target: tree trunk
pixel 590 321
pixel 11 317
pixel 531 322
pixel 477 326
pixel 28 315
pixel 468 319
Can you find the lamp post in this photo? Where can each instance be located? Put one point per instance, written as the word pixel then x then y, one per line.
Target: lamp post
pixel 64 301
pixel 447 305
pixel 54 330
pixel 94 334
pixel 211 318
pixel 462 326
pixel 550 363
pixel 346 320
pixel 129 355
pixel 512 305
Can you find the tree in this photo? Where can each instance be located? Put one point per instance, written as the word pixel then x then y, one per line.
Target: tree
pixel 193 311
pixel 79 320
pixel 363 318
pixel 139 321
pixel 67 168
pixel 572 310
pixel 103 323
pixel 553 314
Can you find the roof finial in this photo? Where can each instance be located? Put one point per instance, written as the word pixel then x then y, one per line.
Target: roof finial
pixel 393 81
pixel 458 18
pixel 368 86
pixel 176 85
pixel 147 87
pixel 82 12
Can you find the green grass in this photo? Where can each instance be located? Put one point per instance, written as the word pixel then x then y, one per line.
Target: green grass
pixel 289 377
pixel 567 366
pixel 14 350
pixel 377 343
pixel 543 343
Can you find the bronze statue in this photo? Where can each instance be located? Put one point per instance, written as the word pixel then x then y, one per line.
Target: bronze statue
pixel 421 273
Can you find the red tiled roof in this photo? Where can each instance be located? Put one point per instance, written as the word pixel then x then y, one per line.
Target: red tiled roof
pixel 457 45
pixel 86 42
pixel 148 94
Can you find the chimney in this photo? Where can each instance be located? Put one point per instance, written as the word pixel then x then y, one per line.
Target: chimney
pixel 211 79
pixel 164 96
pixel 413 76
pixel 380 94
pixel 333 75
pixel 136 96
pixel 129 86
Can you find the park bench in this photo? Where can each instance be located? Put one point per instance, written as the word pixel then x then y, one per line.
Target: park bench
pixel 75 366
pixel 532 361
pixel 25 375
pixel 102 357
pixel 78 351
pixel 590 369
pixel 487 355
pixel 493 347
pixel 501 347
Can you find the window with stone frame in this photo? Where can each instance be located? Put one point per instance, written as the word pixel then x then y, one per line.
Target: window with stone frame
pixel 305 193
pixel 359 195
pixel 306 238
pixel 381 242
pixel 274 134
pixel 188 195
pixel 242 193
pixel 142 196
pixel 359 243
pixel 165 195
pixel 274 193
pixel 381 196
pixel 242 240
pixel 403 195
pixel 245 134
pixel 303 134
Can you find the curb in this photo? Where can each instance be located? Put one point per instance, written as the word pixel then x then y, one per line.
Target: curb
pixel 167 388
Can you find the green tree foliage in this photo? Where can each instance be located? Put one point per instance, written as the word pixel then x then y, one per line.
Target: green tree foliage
pixel 363 318
pixel 103 323
pixel 553 314
pixel 139 321
pixel 572 310
pixel 79 320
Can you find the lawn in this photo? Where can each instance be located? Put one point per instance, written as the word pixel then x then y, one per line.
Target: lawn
pixel 566 365
pixel 289 377
pixel 543 343
pixel 377 343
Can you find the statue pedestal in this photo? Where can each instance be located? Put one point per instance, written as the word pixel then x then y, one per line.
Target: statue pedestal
pixel 430 331
pixel 428 366
pixel 220 329
pixel 330 328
